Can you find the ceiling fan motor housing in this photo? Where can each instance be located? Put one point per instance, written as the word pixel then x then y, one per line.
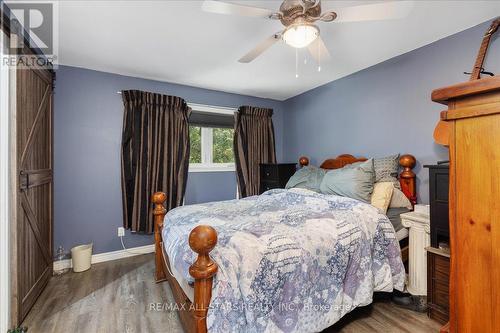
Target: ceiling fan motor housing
pixel 293 10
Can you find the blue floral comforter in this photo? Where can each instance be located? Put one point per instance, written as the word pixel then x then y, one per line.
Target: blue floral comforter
pixel 289 260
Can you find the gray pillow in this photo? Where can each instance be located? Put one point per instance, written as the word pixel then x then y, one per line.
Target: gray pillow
pixel 308 177
pixel 353 181
pixel 386 170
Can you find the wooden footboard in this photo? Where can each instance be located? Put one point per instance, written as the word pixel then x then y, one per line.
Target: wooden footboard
pixel 202 240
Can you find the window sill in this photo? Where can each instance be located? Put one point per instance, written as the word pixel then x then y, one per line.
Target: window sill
pixel 212 168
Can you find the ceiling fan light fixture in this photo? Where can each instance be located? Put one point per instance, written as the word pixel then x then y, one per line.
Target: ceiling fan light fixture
pixel 300 35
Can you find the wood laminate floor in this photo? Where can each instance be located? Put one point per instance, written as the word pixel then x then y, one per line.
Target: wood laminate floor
pixel 121 296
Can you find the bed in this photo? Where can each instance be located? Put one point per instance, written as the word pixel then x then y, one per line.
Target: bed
pixel 287 260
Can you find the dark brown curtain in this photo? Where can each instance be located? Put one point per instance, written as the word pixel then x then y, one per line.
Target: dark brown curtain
pixel 155 154
pixel 253 144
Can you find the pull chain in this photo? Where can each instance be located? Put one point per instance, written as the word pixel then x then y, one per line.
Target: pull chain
pixel 319 57
pixel 296 63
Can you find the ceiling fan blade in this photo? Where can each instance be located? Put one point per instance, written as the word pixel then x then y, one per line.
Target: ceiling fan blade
pixel 261 48
pixel 318 51
pixel 379 11
pixel 328 16
pixel 219 7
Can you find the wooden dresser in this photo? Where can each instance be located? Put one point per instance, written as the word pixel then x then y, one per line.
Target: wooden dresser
pixel 474 118
pixel 275 175
pixel 438 279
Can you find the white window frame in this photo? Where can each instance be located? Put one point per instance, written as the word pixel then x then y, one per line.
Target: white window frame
pixel 207 141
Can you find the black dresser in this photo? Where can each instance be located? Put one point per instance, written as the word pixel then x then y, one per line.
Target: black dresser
pixel 439 176
pixel 275 175
pixel 438 260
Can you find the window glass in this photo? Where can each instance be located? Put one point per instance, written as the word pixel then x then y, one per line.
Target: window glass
pixel 195 140
pixel 222 148
pixel 211 137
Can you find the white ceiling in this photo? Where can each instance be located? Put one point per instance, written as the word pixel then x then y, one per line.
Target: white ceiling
pixel 176 41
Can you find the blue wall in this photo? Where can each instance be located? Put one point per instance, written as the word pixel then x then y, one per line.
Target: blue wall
pixel 384 109
pixel 87 133
pixel 210 186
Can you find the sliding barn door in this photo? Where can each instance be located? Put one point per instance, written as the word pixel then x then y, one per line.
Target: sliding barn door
pixel 34 197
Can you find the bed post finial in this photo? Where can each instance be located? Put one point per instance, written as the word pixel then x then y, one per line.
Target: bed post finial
pixel 303 161
pixel 202 240
pixel 159 212
pixel 407 177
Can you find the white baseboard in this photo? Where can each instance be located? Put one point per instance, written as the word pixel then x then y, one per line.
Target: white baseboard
pixel 108 256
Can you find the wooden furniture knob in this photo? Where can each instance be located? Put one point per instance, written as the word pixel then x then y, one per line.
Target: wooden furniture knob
pixel 303 161
pixel 408 161
pixel 159 198
pixel 203 239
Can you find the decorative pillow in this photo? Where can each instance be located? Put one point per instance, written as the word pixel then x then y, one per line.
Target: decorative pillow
pixel 381 196
pixel 386 170
pixel 308 177
pixel 399 200
pixel 353 181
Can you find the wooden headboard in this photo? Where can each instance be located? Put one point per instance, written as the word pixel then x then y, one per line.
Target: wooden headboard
pixel 407 177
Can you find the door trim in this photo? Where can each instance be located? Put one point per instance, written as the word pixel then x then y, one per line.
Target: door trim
pixel 5 191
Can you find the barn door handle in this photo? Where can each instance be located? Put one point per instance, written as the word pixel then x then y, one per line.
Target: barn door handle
pixel 24 180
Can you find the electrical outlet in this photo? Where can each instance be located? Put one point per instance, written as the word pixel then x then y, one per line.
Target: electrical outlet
pixel 121 231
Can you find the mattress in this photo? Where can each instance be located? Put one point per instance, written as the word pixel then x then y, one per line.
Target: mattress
pixel 402 234
pixel 392 213
pixel 394 216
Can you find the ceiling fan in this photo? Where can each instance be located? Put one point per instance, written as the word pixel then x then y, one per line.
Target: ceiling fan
pixel 299 18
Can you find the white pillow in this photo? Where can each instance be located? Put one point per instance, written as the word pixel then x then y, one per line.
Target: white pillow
pixel 382 194
pixel 399 200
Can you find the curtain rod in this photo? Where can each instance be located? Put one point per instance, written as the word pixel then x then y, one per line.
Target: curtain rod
pixel 208 108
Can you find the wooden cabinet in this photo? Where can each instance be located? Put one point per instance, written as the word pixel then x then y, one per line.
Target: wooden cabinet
pixel 438 280
pixel 474 118
pixel 275 175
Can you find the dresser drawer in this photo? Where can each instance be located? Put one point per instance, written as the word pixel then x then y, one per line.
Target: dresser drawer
pixel 440 294
pixel 269 172
pixel 441 268
pixel 269 185
pixel 440 276
pixel 438 279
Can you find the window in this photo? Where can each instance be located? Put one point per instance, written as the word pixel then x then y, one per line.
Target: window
pixel 195 140
pixel 211 137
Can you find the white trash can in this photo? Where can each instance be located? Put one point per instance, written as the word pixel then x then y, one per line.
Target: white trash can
pixel 81 256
